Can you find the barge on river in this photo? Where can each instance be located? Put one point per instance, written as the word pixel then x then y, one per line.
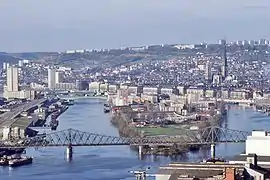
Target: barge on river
pixel 15 161
pixel 20 162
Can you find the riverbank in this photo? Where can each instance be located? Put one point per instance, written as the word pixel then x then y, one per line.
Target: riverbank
pixel 142 124
pixel 87 115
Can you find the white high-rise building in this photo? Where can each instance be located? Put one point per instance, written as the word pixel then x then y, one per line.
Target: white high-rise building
pixel 57 77
pixel 12 90
pixel 12 79
pixel 53 78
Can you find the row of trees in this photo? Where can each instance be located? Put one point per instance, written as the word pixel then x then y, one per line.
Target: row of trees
pixel 120 121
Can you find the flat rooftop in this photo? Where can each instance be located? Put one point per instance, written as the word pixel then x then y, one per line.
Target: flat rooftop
pixel 201 167
pixel 195 173
pixel 243 158
pixel 199 170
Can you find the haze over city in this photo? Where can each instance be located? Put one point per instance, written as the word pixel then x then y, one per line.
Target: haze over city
pixel 51 25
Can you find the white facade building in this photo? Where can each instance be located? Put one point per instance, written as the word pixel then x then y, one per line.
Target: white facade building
pixel 94 87
pixel 12 79
pixel 53 78
pixel 64 86
pixel 113 88
pixel 57 77
pixel 12 89
pixel 24 94
pixel 258 143
pixel 150 90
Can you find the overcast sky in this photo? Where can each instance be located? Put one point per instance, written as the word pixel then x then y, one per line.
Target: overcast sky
pixel 58 25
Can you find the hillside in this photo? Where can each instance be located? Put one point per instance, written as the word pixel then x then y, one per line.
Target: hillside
pixel 4 57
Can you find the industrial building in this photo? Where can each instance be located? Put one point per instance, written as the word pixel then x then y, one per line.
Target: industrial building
pixel 211 171
pixel 253 164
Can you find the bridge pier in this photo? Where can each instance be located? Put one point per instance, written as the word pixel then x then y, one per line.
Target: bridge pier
pixel 140 150
pixel 69 152
pixel 213 151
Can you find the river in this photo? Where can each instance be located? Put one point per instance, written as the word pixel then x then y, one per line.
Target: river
pixel 113 162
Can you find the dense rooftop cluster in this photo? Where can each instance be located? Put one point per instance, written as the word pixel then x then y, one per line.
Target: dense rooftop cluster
pixel 163 65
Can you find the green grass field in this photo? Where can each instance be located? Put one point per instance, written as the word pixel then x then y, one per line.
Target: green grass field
pixel 160 131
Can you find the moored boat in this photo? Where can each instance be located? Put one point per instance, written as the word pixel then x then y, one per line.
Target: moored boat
pixel 20 162
pixel 71 102
pixel 106 110
pixel 4 161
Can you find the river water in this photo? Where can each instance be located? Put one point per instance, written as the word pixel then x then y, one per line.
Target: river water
pixel 114 162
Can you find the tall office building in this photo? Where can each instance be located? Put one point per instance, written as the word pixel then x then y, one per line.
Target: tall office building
pixel 51 78
pixel 12 90
pixel 57 77
pixel 12 79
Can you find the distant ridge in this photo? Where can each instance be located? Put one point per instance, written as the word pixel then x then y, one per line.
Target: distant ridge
pixel 33 55
pixel 5 57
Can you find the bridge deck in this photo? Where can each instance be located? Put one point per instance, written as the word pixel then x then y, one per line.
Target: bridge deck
pixel 9 118
pixel 209 135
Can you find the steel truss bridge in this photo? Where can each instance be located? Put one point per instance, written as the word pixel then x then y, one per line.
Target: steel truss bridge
pixel 209 135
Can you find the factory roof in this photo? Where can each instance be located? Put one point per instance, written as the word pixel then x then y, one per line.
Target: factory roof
pixel 200 168
pixel 186 173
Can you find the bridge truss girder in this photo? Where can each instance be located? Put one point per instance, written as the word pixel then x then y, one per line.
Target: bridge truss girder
pixel 209 135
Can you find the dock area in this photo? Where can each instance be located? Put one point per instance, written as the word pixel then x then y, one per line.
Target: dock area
pixel 35 116
pixel 28 121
